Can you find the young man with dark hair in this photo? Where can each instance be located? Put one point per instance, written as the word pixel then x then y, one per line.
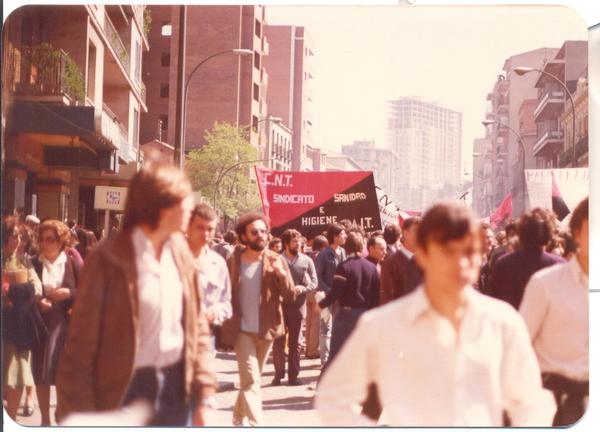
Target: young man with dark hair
pixel 444 355
pixel 400 273
pixel 555 308
pixel 304 275
pixel 512 271
pixel 327 263
pixel 275 245
pixel 259 278
pixel 211 269
pixel 391 235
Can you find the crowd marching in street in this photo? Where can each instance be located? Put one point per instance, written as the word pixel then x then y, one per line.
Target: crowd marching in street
pixel 441 321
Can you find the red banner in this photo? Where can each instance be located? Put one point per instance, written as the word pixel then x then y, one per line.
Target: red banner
pixel 502 212
pixel 309 201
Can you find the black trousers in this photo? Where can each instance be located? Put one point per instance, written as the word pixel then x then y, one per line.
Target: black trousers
pixel 165 390
pixel 292 320
pixel 571 397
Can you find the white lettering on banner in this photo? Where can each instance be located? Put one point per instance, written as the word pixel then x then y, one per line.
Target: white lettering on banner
pixel 284 180
pixel 364 223
pixel 318 220
pixel 293 199
pixel 358 196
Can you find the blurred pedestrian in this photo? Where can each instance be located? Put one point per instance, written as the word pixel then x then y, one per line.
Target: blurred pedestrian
pixel 226 247
pixel 400 273
pixel 327 263
pixel 313 312
pixel 138 330
pixel 21 289
pixel 304 276
pixel 59 274
pixel 355 288
pixel 488 244
pixel 418 350
pixel 377 250
pixel 275 245
pixel 212 273
pixel 512 271
pixel 555 307
pixel 391 235
pixel 259 278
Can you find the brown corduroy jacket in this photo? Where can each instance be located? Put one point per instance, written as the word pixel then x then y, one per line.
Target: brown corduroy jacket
pixel 273 288
pixel 97 364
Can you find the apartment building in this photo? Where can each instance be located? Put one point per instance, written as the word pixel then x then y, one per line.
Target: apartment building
pixel 227 88
pixel 290 96
pixel 73 95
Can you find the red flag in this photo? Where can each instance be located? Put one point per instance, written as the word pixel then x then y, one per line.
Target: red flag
pixel 502 212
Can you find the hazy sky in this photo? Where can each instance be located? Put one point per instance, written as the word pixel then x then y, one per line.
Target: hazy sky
pixel 366 55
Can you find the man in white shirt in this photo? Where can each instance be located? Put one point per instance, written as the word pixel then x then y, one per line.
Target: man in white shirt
pixel 555 308
pixel 211 269
pixel 443 355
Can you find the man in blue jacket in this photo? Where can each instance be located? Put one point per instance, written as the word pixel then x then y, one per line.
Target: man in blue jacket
pixel 327 263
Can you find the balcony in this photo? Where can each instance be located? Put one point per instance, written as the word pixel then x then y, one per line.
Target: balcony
pixel 549 106
pixel 114 131
pixel 116 43
pixel 549 143
pixel 44 74
pixel 581 149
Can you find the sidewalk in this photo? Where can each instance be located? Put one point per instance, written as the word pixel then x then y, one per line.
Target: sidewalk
pixel 283 405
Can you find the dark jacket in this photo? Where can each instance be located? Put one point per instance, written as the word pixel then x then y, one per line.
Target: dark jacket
pixel 355 284
pixel 97 363
pixel 512 271
pixel 70 279
pixel 22 324
pixel 327 262
pixel 273 288
pixel 400 275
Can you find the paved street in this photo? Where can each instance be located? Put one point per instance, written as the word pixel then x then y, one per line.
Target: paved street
pixel 283 405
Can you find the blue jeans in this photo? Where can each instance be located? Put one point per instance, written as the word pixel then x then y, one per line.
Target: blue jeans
pixel 165 389
pixel 343 324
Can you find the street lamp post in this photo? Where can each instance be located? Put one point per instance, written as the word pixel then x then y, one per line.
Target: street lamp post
pixel 522 70
pixel 224 173
pixel 180 144
pixel 487 123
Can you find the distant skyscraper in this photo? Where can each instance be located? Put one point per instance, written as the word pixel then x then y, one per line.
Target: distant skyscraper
pixel 427 139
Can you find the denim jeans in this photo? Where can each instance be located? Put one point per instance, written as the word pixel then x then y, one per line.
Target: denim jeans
pixel 165 390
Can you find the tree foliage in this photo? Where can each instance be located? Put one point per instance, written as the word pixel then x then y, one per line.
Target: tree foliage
pixel 225 146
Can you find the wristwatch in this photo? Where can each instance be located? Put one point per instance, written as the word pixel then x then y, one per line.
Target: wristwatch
pixel 209 402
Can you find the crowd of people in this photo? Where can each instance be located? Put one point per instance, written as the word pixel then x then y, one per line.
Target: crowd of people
pixel 438 322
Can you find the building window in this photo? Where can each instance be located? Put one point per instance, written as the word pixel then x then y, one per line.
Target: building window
pixel 255 123
pixel 256 92
pixel 166 29
pixel 257 28
pixel 256 60
pixel 165 59
pixel 138 61
pixel 164 121
pixel 164 90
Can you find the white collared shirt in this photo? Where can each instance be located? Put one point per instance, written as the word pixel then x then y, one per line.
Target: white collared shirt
pixel 160 337
pixel 215 283
pixel 54 272
pixel 427 374
pixel 555 308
